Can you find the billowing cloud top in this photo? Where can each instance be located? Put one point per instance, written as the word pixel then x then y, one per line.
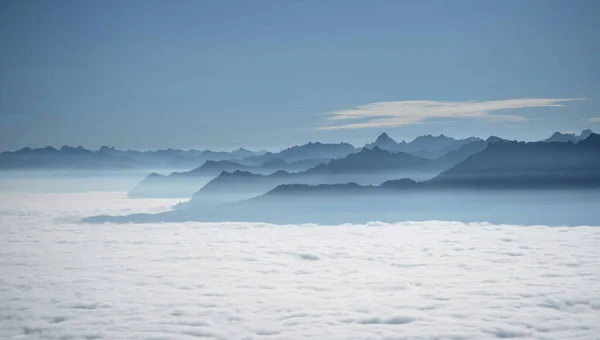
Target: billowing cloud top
pixel 389 114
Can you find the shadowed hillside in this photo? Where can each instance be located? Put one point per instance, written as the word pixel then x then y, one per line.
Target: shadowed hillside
pixel 485 186
pixel 110 158
pixel 523 165
pixel 367 167
pixel 184 184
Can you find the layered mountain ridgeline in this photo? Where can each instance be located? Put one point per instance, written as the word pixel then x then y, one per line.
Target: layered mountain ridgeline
pixel 393 201
pixel 184 184
pixel 569 137
pixel 429 146
pixel 423 146
pixel 109 158
pixel 294 159
pixel 323 151
pixel 527 165
pixel 553 173
pixel 368 166
pixel 339 189
pixel 502 165
pixel 368 161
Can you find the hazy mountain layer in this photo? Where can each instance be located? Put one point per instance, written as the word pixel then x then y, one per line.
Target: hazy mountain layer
pixel 367 167
pixel 488 185
pixel 184 184
pixel 520 165
pixel 529 207
pixel 423 146
pixel 303 152
pixel 109 158
pixel 568 137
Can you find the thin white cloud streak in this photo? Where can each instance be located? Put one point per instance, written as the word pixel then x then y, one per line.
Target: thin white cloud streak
pixel 399 113
pixel 594 120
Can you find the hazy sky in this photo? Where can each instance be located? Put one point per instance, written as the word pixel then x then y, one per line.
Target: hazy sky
pixel 267 74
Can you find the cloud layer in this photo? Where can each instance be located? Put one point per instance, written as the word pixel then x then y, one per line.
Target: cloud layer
pixel 594 120
pixel 390 114
pixel 425 280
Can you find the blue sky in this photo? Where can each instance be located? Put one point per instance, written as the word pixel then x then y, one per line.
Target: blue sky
pixel 269 74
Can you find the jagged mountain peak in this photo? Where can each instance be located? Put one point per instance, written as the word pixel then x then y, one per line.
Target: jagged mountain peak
pixel 585 134
pixel 71 148
pixel 494 139
pixel 383 137
pixel 375 149
pixel 430 136
pixel 569 137
pixel 593 139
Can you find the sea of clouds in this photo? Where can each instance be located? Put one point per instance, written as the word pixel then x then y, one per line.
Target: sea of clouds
pixel 412 280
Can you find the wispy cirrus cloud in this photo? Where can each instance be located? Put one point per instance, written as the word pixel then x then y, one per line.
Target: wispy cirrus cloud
pixel 399 113
pixel 594 120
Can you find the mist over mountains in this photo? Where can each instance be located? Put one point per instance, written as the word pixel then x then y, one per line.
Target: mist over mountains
pixel 387 180
pixel 569 137
pixel 371 164
pixel 299 157
pixel 428 177
pixel 366 167
pixel 423 146
pixel 110 158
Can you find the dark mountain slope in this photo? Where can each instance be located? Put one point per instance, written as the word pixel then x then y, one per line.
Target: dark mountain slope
pixel 392 202
pixel 520 164
pixel 303 152
pixel 423 146
pixel 569 137
pixel 375 160
pixel 367 167
pixel 554 174
pixel 109 158
pixel 184 184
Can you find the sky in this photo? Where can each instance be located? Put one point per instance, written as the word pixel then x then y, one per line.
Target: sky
pixel 270 74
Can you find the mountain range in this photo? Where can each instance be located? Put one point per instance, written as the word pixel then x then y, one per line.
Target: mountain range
pixel 184 184
pixel 367 167
pixel 569 137
pixel 488 184
pixel 427 146
pixel 110 158
pixel 523 165
pixel 323 151
pixel 294 159
pixel 68 157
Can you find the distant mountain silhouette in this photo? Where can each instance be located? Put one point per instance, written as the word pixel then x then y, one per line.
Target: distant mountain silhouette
pixel 522 165
pixel 569 137
pixel 562 181
pixel 495 165
pixel 68 157
pixel 385 142
pixel 375 160
pixel 303 152
pixel 239 185
pixel 465 151
pixel 401 200
pixel 184 184
pixel 423 146
pixel 368 166
pixel 342 188
pixel 495 139
pixel 109 158
pixel 508 165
